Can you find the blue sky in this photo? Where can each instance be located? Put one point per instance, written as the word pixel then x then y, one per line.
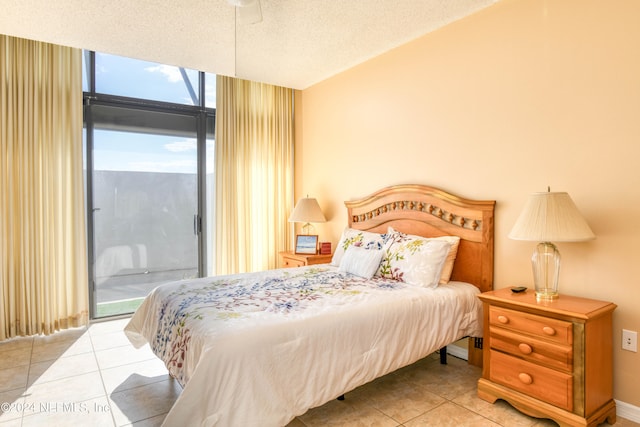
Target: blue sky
pixel 125 151
pixel 122 151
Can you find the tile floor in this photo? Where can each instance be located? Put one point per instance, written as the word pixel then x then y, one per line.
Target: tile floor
pixel 94 376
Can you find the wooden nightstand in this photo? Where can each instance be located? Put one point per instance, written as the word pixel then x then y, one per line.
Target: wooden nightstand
pixel 549 359
pixel 291 259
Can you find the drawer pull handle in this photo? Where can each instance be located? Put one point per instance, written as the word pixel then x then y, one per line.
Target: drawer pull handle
pixel 525 378
pixel 549 330
pixel 503 319
pixel 525 348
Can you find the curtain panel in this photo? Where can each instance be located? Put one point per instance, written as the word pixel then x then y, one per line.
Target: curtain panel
pixel 254 174
pixel 43 261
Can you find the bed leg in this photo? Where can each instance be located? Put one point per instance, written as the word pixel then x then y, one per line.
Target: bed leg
pixel 443 355
pixel 341 397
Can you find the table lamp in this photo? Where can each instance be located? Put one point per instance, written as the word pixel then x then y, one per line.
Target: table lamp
pixel 548 217
pixel 307 210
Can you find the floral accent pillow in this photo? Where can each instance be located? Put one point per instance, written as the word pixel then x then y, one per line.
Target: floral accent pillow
pixel 414 260
pixel 447 269
pixel 364 239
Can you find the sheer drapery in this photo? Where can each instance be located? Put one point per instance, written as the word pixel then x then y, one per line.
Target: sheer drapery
pixel 43 262
pixel 254 174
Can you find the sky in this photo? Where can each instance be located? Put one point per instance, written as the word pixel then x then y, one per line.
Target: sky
pixel 124 151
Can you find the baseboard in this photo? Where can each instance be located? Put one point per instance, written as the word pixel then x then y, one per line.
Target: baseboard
pixel 459 352
pixel 626 411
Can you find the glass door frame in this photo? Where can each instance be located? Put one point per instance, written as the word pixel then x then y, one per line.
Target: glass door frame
pixel 205 125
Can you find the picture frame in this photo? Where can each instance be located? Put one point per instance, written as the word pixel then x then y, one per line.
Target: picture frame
pixel 306 244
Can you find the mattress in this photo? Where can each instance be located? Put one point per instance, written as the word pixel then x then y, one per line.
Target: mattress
pixel 259 349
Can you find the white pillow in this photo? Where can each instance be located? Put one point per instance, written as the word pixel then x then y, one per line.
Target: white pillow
pixel 360 261
pixel 447 268
pixel 352 237
pixel 415 260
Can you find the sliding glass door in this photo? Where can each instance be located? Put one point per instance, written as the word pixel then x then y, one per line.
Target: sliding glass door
pixel 145 215
pixel 149 134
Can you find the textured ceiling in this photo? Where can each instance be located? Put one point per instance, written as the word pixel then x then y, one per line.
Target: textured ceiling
pixel 297 44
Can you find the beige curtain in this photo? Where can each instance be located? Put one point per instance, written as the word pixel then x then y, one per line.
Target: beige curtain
pixel 254 174
pixel 43 270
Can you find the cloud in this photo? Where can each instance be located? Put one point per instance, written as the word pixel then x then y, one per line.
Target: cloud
pixel 180 146
pixel 170 72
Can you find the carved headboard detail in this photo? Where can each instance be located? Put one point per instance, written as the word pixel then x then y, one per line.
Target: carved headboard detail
pixel 412 205
pixel 431 212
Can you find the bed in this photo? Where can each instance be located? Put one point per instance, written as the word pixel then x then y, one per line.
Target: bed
pixel 259 349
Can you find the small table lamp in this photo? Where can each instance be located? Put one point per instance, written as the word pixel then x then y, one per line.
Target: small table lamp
pixel 549 217
pixel 307 210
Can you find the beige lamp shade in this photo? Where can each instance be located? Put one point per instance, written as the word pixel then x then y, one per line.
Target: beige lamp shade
pixel 307 210
pixel 551 217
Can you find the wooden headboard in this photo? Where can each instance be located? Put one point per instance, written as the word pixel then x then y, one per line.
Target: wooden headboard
pixel 430 212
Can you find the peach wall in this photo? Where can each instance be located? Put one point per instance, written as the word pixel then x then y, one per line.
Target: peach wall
pixel 523 95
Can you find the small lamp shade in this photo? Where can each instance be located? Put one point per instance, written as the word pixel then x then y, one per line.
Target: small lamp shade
pixel 307 210
pixel 545 218
pixel 551 217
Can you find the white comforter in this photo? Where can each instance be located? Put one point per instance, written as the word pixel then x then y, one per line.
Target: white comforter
pixel 260 349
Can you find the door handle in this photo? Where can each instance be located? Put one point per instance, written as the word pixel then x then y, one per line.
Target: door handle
pixel 197 225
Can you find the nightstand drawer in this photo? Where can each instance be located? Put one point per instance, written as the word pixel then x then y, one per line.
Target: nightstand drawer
pixel 290 259
pixel 548 385
pixel 550 354
pixel 543 327
pixel 291 262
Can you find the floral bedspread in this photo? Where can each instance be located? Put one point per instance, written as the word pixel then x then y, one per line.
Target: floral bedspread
pixel 259 349
pixel 242 299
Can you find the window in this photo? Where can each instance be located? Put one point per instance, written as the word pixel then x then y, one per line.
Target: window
pixel 149 136
pixel 117 75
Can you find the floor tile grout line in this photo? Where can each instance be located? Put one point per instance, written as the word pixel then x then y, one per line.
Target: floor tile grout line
pixel 126 364
pixel 100 369
pixel 145 385
pixel 60 378
pixel 31 362
pixel 26 386
pixel 104 387
pixel 475 412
